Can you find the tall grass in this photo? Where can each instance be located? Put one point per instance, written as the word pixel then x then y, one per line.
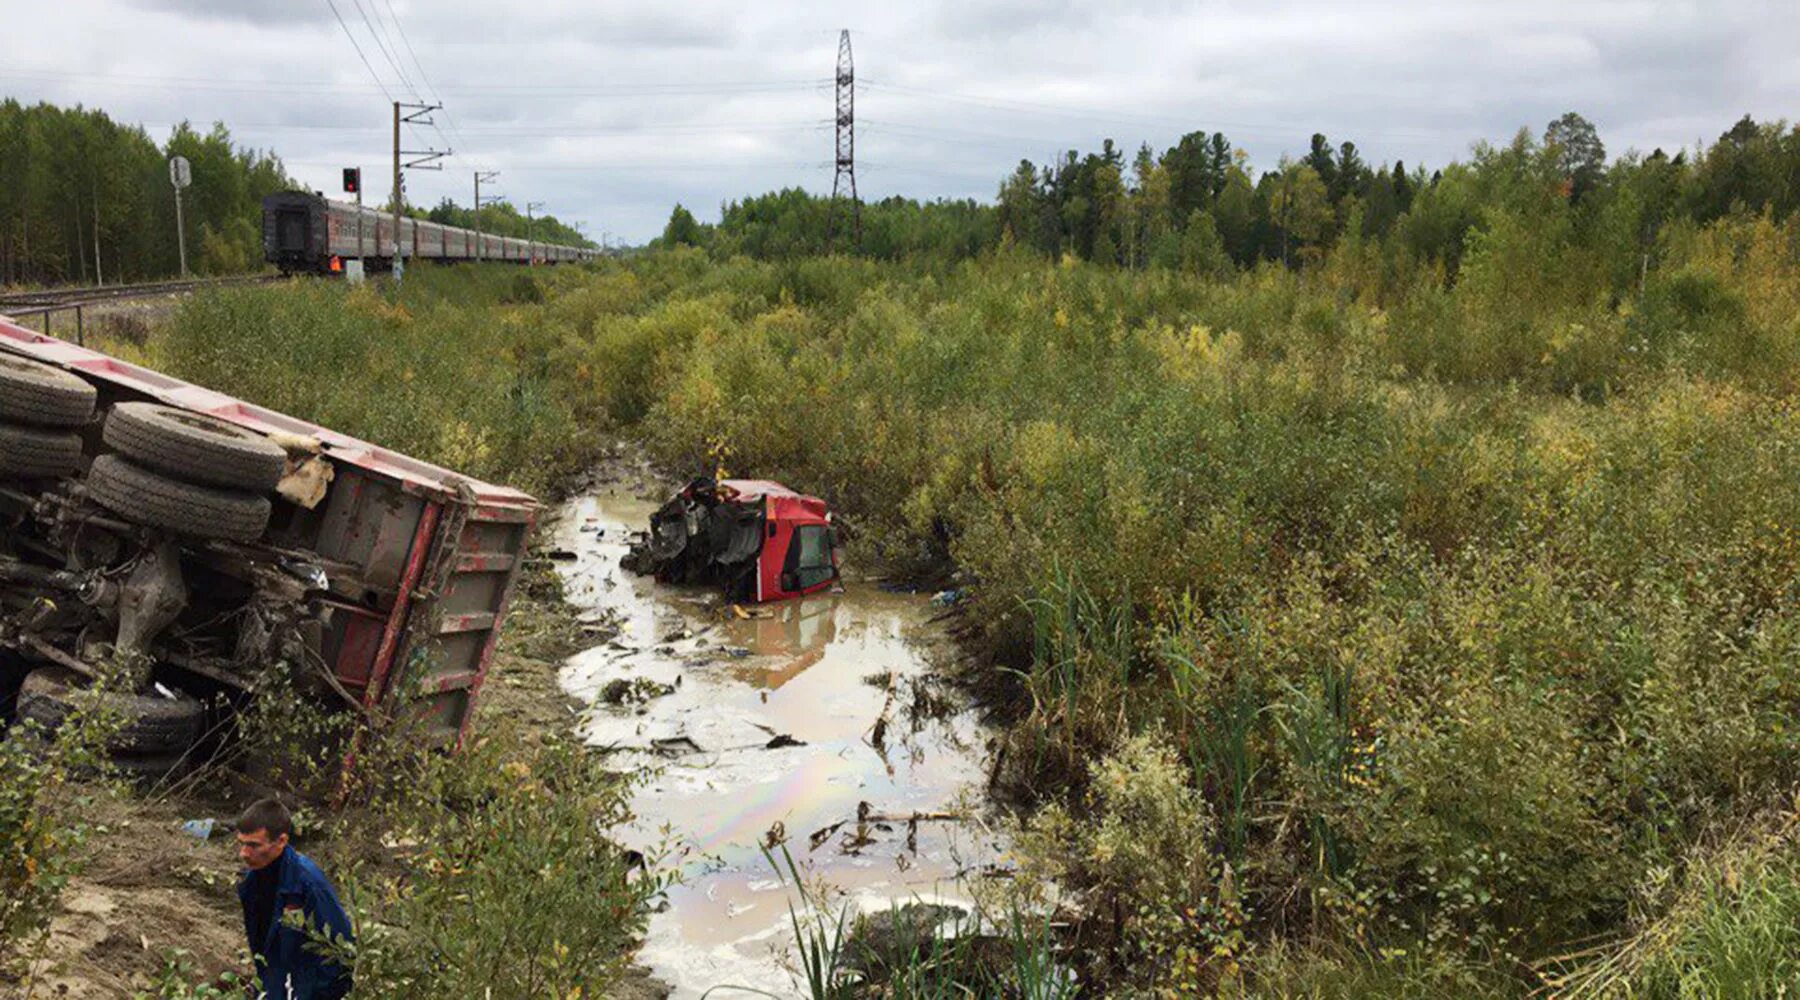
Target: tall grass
pixel 1463 610
pixel 450 369
pixel 1460 608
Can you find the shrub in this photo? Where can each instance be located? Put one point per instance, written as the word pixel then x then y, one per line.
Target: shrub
pixel 512 890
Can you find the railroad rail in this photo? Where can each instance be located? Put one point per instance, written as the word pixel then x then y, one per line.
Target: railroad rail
pixel 52 298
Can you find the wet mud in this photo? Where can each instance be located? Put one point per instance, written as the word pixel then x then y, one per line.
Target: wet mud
pixel 818 725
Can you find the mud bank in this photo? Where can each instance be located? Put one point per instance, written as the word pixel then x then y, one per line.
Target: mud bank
pixel 818 725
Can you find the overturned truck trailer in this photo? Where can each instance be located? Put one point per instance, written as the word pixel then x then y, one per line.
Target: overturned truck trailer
pixel 190 541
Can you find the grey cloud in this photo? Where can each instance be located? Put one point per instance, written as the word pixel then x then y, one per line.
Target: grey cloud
pixel 253 12
pixel 611 112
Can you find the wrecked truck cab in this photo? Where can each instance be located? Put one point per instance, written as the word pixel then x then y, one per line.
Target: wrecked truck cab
pixel 758 540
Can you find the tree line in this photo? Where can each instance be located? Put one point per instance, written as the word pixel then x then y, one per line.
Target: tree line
pixel 1201 206
pixel 84 198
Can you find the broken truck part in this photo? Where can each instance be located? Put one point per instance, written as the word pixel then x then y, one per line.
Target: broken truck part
pixel 758 540
pixel 193 541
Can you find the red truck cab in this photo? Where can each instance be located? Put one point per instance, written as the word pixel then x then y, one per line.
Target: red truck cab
pixel 757 539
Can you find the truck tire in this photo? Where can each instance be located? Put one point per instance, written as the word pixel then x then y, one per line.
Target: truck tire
pixel 38 452
pixel 148 498
pixel 194 447
pixel 151 770
pixel 151 724
pixel 32 392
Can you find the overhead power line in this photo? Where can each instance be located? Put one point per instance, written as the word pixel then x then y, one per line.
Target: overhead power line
pixel 382 47
pixel 359 52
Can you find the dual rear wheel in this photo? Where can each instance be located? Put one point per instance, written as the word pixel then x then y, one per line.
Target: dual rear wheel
pixel 184 473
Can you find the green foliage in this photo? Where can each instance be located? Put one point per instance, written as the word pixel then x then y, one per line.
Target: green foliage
pixel 1458 613
pixel 455 370
pixel 512 890
pixel 1726 925
pixel 46 793
pixel 178 979
pixel 74 183
pixel 1140 847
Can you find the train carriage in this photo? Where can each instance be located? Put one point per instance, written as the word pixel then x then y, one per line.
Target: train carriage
pixel 307 232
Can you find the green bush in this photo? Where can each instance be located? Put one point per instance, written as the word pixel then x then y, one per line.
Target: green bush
pixel 455 379
pixel 1460 613
pixel 511 888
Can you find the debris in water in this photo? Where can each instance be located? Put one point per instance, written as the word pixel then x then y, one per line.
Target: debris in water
pixel 674 746
pixel 634 691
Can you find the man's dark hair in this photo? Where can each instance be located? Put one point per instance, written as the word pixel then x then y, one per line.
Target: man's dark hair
pixel 267 814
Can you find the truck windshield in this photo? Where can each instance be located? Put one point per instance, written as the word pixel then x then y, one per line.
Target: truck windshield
pixel 811 555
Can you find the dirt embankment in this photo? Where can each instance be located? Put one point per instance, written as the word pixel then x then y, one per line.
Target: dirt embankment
pixel 156 903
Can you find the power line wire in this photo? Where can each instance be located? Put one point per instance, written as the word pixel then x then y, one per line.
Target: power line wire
pixel 359 52
pixel 461 140
pixel 385 54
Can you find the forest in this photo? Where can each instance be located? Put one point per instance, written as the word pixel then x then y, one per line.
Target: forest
pixel 86 199
pixel 1200 206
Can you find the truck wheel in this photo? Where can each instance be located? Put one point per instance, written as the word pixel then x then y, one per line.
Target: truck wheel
pixel 150 770
pixel 149 723
pixel 38 452
pixel 194 447
pixel 36 393
pixel 144 497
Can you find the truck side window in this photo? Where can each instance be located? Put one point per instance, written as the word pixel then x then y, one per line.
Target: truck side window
pixel 809 555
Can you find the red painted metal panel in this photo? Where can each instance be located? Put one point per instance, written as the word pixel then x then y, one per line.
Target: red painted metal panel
pixel 390 637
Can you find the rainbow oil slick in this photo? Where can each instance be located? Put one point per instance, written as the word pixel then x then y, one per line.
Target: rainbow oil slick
pixel 783 723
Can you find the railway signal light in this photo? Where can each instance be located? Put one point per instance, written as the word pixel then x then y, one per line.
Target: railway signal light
pixel 353 180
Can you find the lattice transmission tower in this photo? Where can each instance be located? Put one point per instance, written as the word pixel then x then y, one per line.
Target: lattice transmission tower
pixel 843 183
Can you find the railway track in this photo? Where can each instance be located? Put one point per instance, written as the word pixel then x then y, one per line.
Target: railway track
pixel 52 298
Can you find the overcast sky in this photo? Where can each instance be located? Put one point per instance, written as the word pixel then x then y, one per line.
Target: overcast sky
pixel 609 113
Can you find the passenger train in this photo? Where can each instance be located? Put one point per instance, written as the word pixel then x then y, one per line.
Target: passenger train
pixel 305 232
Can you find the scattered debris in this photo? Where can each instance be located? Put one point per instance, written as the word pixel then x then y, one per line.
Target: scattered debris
pixel 782 741
pixel 674 746
pixel 634 691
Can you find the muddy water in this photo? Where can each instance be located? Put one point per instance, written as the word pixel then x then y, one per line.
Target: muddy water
pixel 775 724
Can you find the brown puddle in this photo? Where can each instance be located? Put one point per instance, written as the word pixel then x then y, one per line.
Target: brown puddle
pixel 789 724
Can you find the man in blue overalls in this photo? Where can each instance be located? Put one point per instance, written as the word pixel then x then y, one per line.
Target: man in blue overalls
pixel 287 901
